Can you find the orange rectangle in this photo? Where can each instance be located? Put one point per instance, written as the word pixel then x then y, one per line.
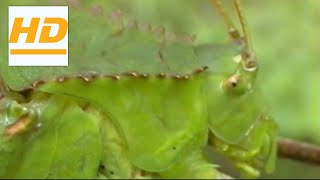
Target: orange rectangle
pixel 38 51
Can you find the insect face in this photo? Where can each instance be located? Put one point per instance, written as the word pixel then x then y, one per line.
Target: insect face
pixel 239 83
pixel 233 96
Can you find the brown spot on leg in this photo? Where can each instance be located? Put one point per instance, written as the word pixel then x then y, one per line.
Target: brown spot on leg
pixel 19 125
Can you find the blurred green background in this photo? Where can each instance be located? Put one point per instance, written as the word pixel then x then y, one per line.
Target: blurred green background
pixel 285 36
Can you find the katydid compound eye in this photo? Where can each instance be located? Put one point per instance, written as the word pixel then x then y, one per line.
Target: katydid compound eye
pixel 232 82
pixel 235 85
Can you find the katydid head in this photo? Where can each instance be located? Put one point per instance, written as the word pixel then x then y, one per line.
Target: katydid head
pixel 233 102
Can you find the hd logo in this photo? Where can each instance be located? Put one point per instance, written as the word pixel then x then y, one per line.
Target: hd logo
pixel 38 36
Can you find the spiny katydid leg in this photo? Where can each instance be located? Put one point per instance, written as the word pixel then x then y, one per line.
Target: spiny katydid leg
pixel 257 150
pixel 67 144
pixel 16 118
pixel 15 123
pixel 60 137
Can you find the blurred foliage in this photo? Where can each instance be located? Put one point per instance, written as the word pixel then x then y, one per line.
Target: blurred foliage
pixel 285 36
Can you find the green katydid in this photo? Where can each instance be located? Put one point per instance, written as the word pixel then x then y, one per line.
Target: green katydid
pixel 134 102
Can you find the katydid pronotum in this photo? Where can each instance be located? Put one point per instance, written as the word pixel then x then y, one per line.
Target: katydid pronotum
pixel 134 102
